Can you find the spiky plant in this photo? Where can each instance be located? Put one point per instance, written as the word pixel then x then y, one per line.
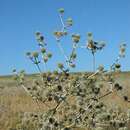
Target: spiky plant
pixel 72 101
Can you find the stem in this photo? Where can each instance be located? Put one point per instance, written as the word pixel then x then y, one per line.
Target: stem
pixel 45 66
pixel 22 85
pixel 105 95
pixel 39 68
pixel 63 25
pixel 73 50
pixel 117 60
pixel 37 65
pixel 93 75
pixel 62 51
pixel 93 61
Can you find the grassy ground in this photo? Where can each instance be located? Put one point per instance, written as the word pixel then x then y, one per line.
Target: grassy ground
pixel 14 101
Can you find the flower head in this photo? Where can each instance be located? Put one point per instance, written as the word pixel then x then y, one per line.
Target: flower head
pixel 101 68
pixel 43 50
pixel 60 66
pixel 39 38
pixel 58 34
pixel 122 50
pixel 45 59
pixel 69 22
pixel 76 38
pixel 61 10
pixel 35 54
pixel 89 34
pixel 28 54
pixel 14 70
pixel 49 55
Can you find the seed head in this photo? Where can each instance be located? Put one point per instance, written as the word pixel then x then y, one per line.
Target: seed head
pixel 60 66
pixel 122 50
pixel 61 10
pixel 89 34
pixel 76 38
pixel 117 66
pixel 72 65
pixel 45 59
pixel 69 22
pixel 59 87
pixel 56 124
pixel 14 70
pixel 49 55
pixel 58 34
pixel 28 54
pixel 37 33
pixel 101 68
pixel 43 50
pixel 35 54
pixel 55 72
pixel 51 120
pixel 125 98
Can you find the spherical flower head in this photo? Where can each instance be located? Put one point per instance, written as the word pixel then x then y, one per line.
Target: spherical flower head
pixel 14 70
pixel 125 98
pixel 41 38
pixel 28 54
pixel 58 34
pixel 35 54
pixel 117 66
pixel 101 68
pixel 90 38
pixel 76 38
pixel 55 72
pixel 117 86
pixel 89 34
pixel 60 66
pixel 49 55
pixel 69 22
pixel 51 120
pixel 55 33
pixel 72 65
pixel 37 33
pixel 122 50
pixel 59 88
pixel 61 10
pixel 22 71
pixel 45 59
pixel 43 50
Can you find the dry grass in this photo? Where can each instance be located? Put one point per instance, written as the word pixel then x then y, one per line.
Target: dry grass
pixel 14 101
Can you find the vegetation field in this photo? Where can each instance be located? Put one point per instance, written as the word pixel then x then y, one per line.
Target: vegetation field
pixel 14 101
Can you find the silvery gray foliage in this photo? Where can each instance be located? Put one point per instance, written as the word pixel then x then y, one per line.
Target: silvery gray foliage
pixel 72 100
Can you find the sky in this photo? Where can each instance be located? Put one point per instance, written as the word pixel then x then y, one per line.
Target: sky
pixel 108 20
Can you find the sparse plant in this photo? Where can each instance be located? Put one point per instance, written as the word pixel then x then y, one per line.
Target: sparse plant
pixel 72 101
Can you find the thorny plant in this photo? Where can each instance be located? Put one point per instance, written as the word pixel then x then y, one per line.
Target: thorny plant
pixel 72 101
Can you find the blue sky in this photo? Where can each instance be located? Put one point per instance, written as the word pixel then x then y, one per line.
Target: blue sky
pixel 109 20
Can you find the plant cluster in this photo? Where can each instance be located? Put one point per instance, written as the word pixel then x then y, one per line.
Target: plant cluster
pixel 73 100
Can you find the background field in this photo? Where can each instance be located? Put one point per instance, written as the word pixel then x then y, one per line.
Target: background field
pixel 14 101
